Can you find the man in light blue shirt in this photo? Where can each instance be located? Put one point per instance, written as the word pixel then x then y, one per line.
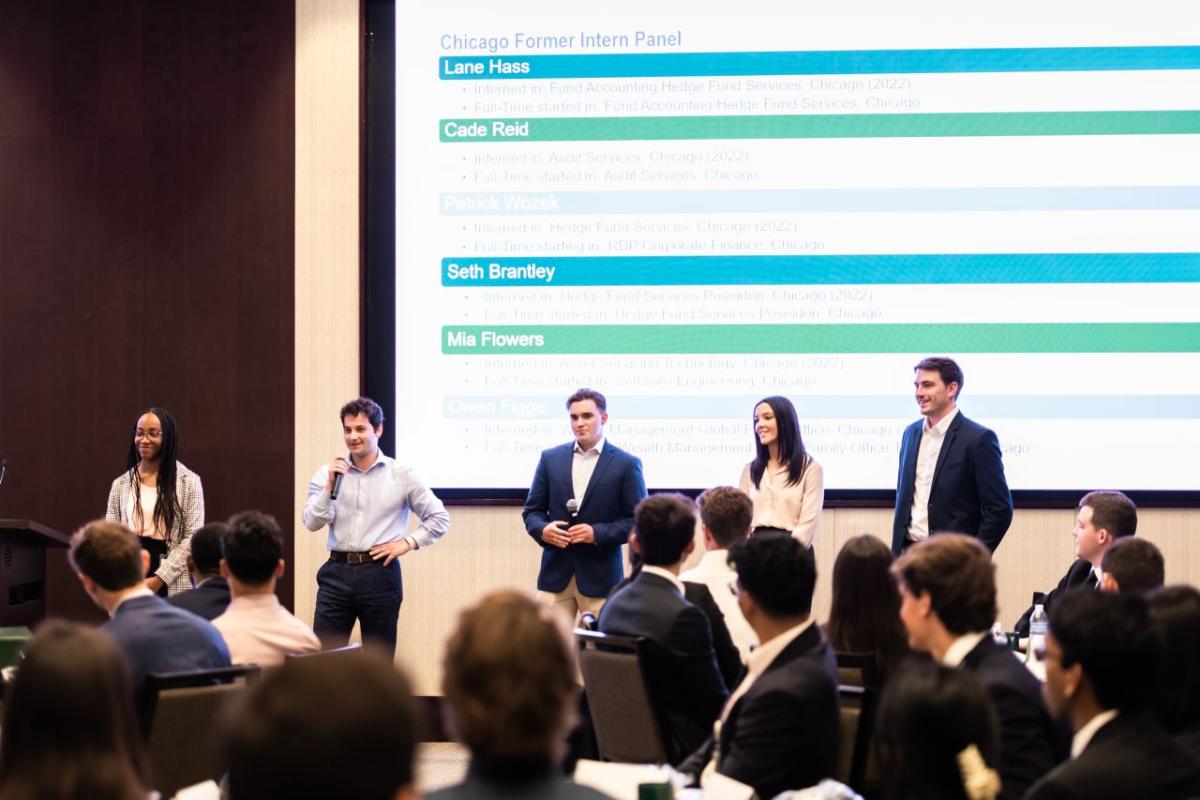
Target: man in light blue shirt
pixel 367 522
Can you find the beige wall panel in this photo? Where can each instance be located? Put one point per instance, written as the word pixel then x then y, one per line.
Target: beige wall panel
pixel 327 252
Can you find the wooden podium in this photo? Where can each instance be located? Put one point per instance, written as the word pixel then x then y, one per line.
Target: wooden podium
pixel 23 550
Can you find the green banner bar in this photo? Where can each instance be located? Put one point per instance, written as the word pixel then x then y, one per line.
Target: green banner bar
pixel 821 126
pixel 1048 337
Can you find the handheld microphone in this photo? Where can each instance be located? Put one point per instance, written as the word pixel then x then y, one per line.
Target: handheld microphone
pixel 4 470
pixel 337 486
pixel 573 507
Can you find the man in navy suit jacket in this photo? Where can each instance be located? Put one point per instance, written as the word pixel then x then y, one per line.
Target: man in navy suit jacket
pixel 209 596
pixel 155 636
pixel 581 551
pixel 680 664
pixel 948 603
pixel 951 475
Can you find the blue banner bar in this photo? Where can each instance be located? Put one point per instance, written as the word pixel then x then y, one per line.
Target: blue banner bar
pixel 831 269
pixel 819 62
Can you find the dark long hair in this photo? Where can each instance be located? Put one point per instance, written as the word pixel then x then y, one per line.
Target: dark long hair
pixel 865 616
pixel 791 446
pixel 930 713
pixel 166 508
pixel 69 727
pixel 1175 614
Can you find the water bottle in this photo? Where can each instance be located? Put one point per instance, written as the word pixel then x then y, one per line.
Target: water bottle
pixel 998 634
pixel 1038 623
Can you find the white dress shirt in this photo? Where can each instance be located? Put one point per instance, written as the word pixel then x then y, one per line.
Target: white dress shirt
pixel 714 572
pixel 1083 737
pixel 927 457
pixel 583 464
pixel 665 573
pixel 961 646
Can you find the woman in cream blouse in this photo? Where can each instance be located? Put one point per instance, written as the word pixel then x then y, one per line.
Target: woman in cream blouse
pixel 160 500
pixel 784 482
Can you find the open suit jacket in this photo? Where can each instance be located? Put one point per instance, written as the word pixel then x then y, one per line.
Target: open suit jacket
pixel 607 505
pixel 1030 743
pixel 783 732
pixel 969 493
pixel 678 660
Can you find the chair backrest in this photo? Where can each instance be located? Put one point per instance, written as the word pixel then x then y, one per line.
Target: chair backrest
pixel 858 669
pixel 180 715
pixel 627 727
pixel 856 723
pixel 352 649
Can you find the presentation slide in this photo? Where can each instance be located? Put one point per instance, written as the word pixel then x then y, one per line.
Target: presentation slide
pixel 692 208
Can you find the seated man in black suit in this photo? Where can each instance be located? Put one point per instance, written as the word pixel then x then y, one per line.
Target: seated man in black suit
pixel 1132 566
pixel 209 595
pixel 156 636
pixel 1101 661
pixel 680 665
pixel 779 730
pixel 1101 519
pixel 948 603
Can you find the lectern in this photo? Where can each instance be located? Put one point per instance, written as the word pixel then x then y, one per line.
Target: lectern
pixel 23 545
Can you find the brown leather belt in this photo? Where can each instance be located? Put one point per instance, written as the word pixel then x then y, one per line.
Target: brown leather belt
pixel 350 558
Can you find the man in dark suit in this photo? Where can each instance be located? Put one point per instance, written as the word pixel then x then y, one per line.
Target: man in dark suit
pixel 951 474
pixel 680 664
pixel 948 603
pixel 155 636
pixel 209 596
pixel 1100 520
pixel 779 729
pixel 1101 662
pixel 580 509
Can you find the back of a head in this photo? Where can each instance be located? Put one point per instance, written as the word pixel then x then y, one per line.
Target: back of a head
pixel 1113 511
pixel 69 726
pixel 334 728
pixel 865 615
pixel 779 573
pixel 727 513
pixel 508 675
pixel 1175 613
pixel 928 716
pixel 958 574
pixel 665 524
pixel 253 547
pixel 207 547
pixel 1111 637
pixel 1135 564
pixel 108 553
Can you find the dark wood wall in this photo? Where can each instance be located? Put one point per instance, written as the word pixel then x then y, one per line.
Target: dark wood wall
pixel 146 248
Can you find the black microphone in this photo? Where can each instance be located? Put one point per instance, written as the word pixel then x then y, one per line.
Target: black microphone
pixel 337 486
pixel 573 508
pixel 3 469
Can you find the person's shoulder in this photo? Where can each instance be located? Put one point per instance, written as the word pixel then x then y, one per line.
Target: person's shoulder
pixel 617 452
pixel 965 424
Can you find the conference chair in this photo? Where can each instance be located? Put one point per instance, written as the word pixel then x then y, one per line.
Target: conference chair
pixel 858 698
pixel 626 724
pixel 179 713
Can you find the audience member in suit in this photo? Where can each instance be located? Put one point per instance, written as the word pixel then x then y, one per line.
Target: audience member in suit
pixel 1132 565
pixel 156 636
pixel 581 545
pixel 209 596
pixel 951 473
pixel 333 728
pixel 726 514
pixel 865 616
pixel 257 628
pixel 1101 519
pixel 937 735
pixel 680 664
pixel 948 603
pixel 508 679
pixel 1175 612
pixel 1102 656
pixel 779 729
pixel 69 726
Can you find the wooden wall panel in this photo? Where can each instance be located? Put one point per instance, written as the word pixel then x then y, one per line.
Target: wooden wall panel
pixel 146 250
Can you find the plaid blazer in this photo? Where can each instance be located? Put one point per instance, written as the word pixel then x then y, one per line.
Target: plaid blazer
pixel 173 569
